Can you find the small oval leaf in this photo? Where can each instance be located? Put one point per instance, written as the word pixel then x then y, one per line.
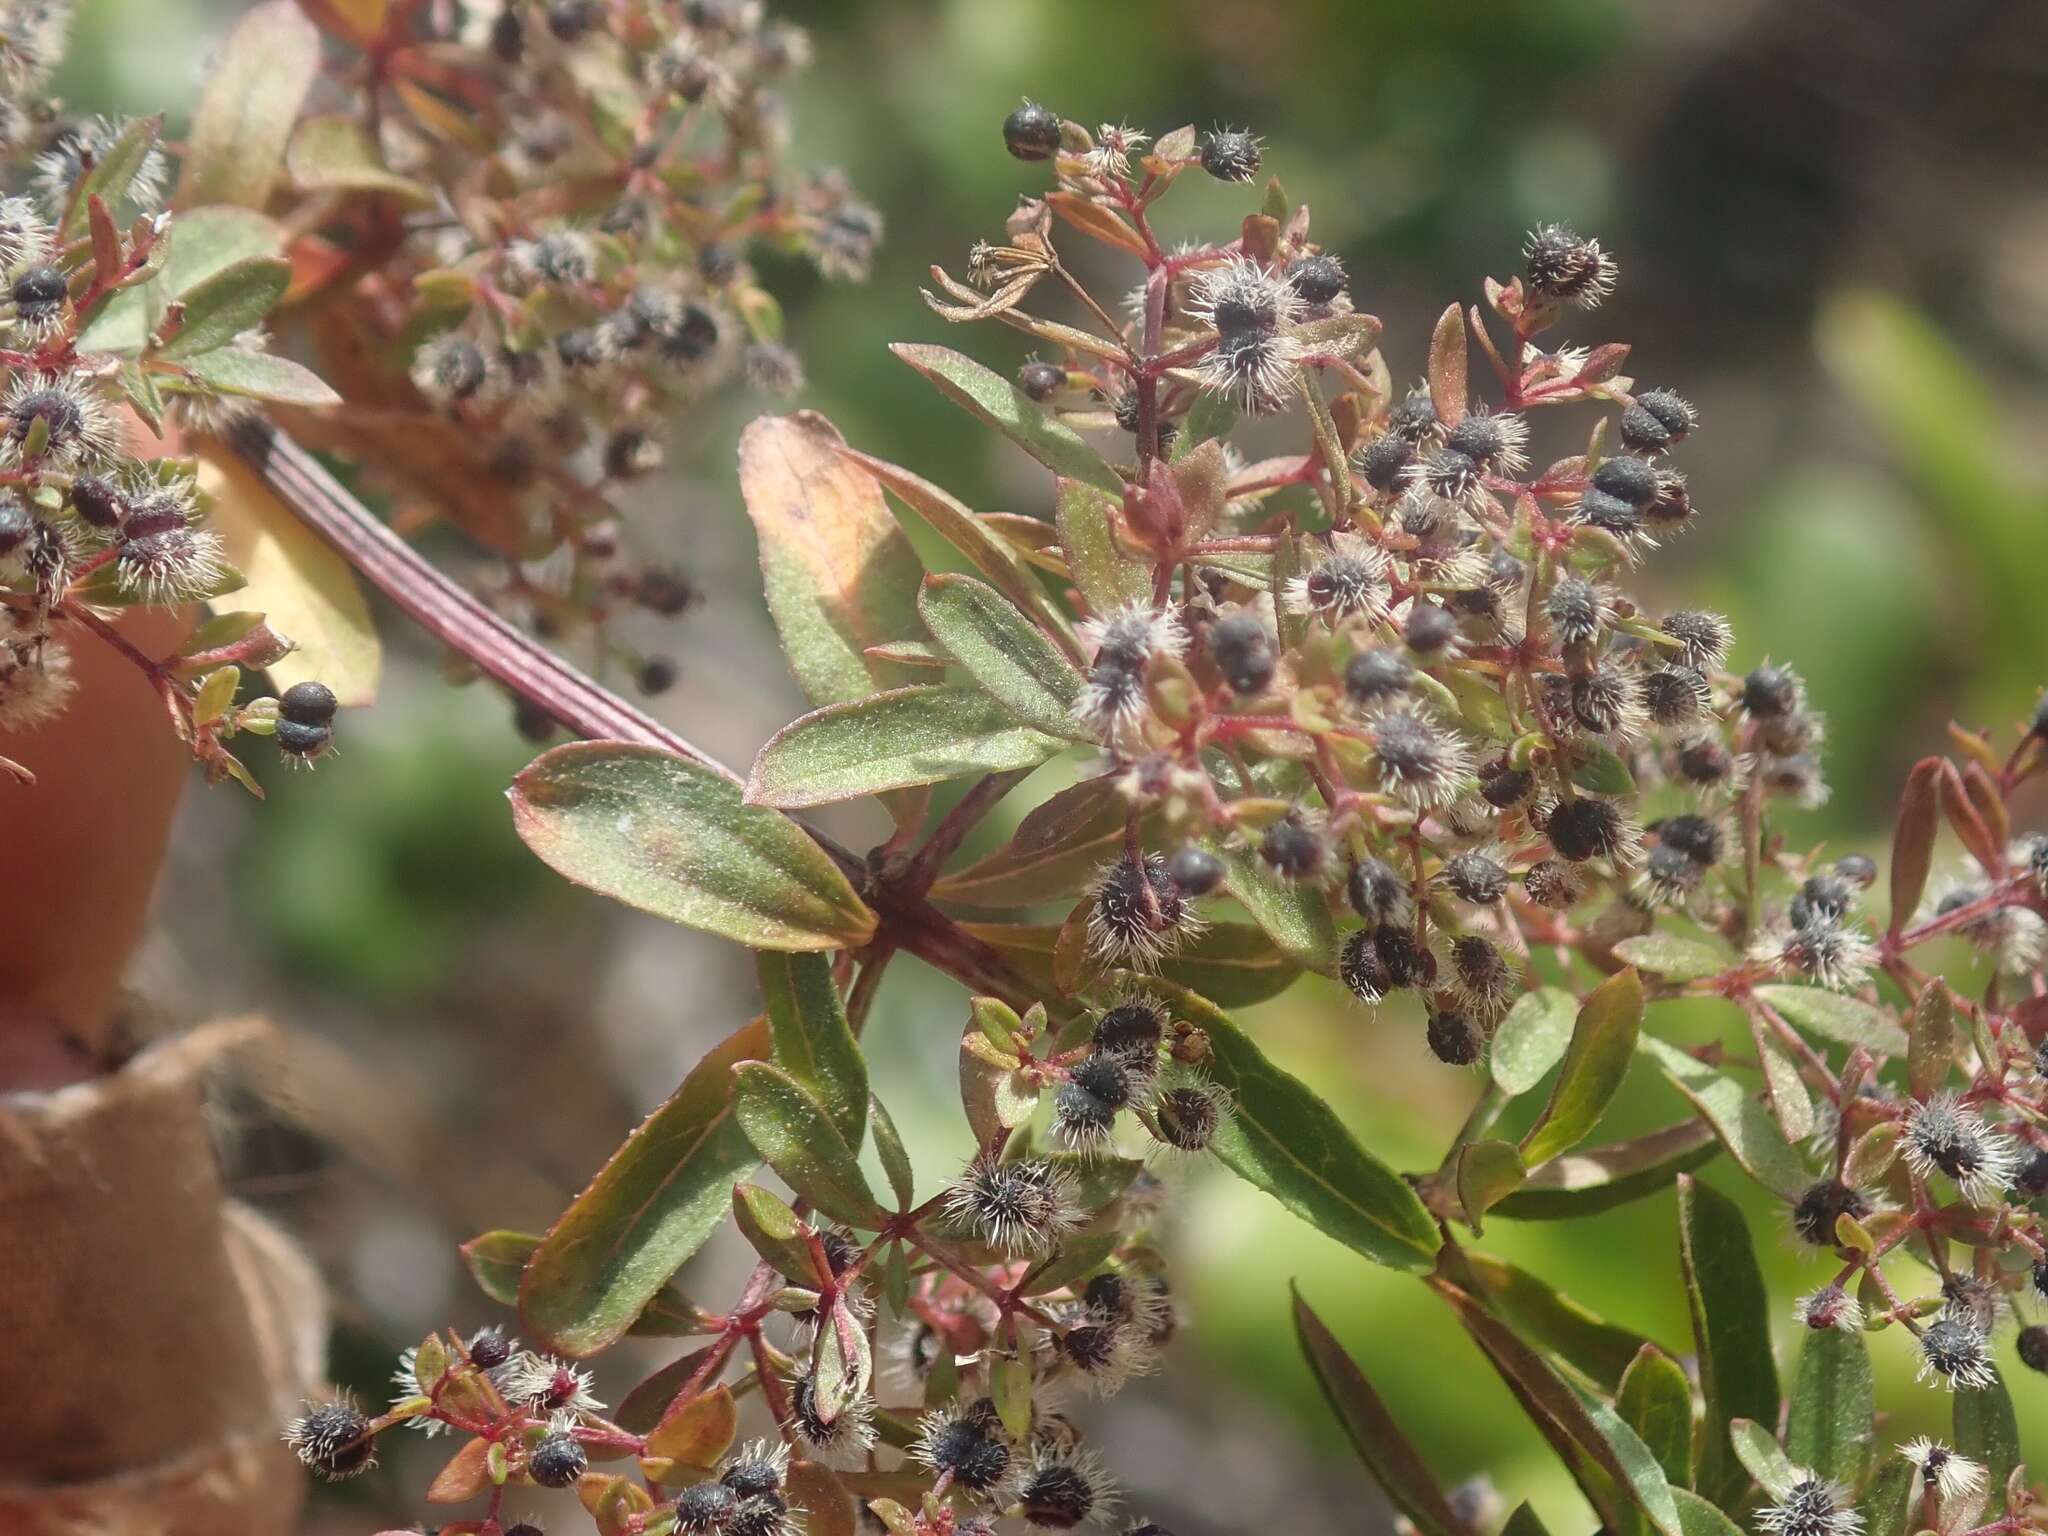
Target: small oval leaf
pixel 674 838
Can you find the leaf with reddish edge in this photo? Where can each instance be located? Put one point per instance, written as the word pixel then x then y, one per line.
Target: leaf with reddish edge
pixel 1983 843
pixel 900 739
pixel 796 1137
pixel 1286 1140
pixel 839 573
pixel 1600 1178
pixel 648 1210
pixel 985 549
pixel 1388 1454
pixel 814 1043
pixel 1096 221
pixel 1086 517
pixel 1549 1319
pixel 827 1506
pixel 1585 1431
pixel 642 1408
pixel 497 1259
pixel 672 837
pixel 696 1430
pixel 988 395
pixel 1448 389
pixel 1913 840
pixel 463 1476
pixel 1731 1324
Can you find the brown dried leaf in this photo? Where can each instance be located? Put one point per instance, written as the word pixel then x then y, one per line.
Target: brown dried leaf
pixel 1448 389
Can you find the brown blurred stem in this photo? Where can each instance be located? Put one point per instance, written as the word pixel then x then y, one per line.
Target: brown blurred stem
pixel 583 707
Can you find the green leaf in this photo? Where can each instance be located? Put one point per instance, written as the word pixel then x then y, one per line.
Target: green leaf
pixel 113 173
pixel 1108 578
pixel 813 1041
pixel 1295 915
pixel 1830 1426
pixel 1233 965
pixel 1655 1400
pixel 1884 1502
pixel 1986 1430
pixel 1699 1518
pixel 795 1136
pixel 1600 1178
pixel 772 1227
pixel 1743 1125
pixel 985 549
pixel 1388 1454
pixel 201 243
pixel 337 154
pixel 1532 1038
pixel 1553 1321
pixel 648 1210
pixel 255 86
pixel 1931 1054
pixel 1603 1040
pixel 219 308
pixel 1599 770
pixel 1005 652
pixel 907 736
pixel 1079 1257
pixel 260 376
pixel 1480 704
pixel 642 1408
pixel 1760 1456
pixel 496 1260
pixel 1210 417
pixel 1057 849
pixel 1578 1425
pixel 1523 1522
pixel 1673 958
pixel 1007 408
pixel 672 837
pixel 1731 1324
pixel 889 1147
pixel 1488 1171
pixel 840 574
pixel 1009 1385
pixel 1287 1141
pixel 1835 1016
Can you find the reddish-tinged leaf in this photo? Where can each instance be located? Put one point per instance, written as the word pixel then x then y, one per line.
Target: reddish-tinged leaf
pixel 840 575
pixel 696 1431
pixel 463 1477
pixel 1388 1454
pixel 1989 801
pixel 256 84
pixel 671 837
pixel 1447 385
pixel 1913 839
pixel 1094 220
pixel 648 1210
pixel 1984 844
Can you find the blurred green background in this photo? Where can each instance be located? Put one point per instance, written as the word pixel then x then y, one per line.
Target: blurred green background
pixel 1830 219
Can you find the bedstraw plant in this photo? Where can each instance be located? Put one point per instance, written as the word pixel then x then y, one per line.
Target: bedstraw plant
pixel 1345 651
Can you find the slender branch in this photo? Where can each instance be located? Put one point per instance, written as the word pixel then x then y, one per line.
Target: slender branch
pixel 579 704
pixel 946 837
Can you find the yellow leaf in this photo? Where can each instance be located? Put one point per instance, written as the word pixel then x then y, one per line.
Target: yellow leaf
pixel 305 591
